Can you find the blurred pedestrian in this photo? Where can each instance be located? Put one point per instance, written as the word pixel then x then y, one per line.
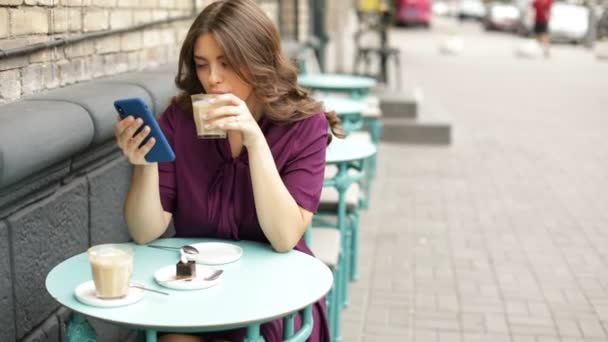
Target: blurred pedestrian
pixel 542 9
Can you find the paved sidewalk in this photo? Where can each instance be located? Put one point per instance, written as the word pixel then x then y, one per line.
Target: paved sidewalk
pixel 502 236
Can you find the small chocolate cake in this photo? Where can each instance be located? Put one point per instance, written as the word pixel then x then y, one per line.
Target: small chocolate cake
pixel 185 270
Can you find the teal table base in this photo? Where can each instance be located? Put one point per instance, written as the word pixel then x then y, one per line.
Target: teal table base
pixel 151 336
pixel 80 330
pixel 253 334
pixel 334 311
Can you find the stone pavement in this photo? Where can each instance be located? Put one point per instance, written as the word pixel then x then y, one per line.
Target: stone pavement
pixel 502 236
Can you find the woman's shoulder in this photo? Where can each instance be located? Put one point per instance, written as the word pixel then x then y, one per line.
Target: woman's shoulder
pixel 315 122
pixel 310 130
pixel 296 134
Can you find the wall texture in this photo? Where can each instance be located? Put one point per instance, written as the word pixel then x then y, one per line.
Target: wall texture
pixel 26 22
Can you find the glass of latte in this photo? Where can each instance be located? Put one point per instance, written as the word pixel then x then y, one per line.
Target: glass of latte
pixel 111 266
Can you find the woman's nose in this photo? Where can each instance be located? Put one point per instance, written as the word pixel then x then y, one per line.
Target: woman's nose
pixel 214 76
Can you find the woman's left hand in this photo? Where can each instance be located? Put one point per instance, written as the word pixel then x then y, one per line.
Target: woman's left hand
pixel 233 114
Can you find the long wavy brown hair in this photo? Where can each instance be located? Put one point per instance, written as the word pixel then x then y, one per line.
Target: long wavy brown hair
pixel 252 44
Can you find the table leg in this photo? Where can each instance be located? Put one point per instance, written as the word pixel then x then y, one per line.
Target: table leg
pixel 253 334
pixel 336 309
pixel 306 329
pixel 151 336
pixel 288 326
pixel 354 264
pixel 345 232
pixel 79 330
pixel 375 126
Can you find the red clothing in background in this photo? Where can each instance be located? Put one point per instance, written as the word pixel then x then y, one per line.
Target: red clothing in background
pixel 542 8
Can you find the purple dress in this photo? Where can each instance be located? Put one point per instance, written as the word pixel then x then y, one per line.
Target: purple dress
pixel 210 194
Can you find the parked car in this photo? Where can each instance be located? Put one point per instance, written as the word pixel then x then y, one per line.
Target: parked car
pixel 471 9
pixel 502 16
pixel 413 12
pixel 568 22
pixel 440 8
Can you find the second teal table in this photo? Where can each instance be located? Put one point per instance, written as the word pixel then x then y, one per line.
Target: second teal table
pixel 349 111
pixel 345 154
pixel 356 86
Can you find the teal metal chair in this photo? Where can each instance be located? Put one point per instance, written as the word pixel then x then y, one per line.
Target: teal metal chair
pixel 349 158
pixel 326 245
pixel 356 88
pixel 357 196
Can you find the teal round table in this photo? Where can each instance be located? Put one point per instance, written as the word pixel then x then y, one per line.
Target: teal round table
pixel 356 86
pixel 343 151
pixel 348 110
pixel 261 286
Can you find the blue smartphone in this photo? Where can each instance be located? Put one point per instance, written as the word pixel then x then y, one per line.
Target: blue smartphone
pixel 161 151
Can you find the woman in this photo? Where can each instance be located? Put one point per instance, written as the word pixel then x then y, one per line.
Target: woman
pixel 264 181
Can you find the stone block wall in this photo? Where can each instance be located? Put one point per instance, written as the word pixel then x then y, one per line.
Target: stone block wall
pixel 61 191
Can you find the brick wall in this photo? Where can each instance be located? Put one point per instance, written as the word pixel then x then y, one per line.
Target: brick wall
pixel 26 22
pixel 289 22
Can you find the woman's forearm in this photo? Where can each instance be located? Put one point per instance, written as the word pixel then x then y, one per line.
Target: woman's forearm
pixel 143 210
pixel 278 213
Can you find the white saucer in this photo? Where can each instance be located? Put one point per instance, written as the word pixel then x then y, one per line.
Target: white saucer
pixel 85 293
pixel 215 253
pixel 165 276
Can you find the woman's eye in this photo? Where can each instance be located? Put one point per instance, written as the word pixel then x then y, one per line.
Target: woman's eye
pixel 199 66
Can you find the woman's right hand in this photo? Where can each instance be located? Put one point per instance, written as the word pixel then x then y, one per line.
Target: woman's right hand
pixel 128 143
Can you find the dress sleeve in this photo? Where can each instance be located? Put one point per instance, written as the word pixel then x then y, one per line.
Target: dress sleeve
pixel 166 170
pixel 304 171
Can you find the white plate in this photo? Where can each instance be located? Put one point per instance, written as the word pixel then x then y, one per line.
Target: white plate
pixel 215 253
pixel 165 276
pixel 85 293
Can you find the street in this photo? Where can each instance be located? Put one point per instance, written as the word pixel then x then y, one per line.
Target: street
pixel 503 235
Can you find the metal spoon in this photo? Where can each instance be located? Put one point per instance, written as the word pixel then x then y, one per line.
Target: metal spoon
pixel 186 248
pixel 211 277
pixel 148 289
